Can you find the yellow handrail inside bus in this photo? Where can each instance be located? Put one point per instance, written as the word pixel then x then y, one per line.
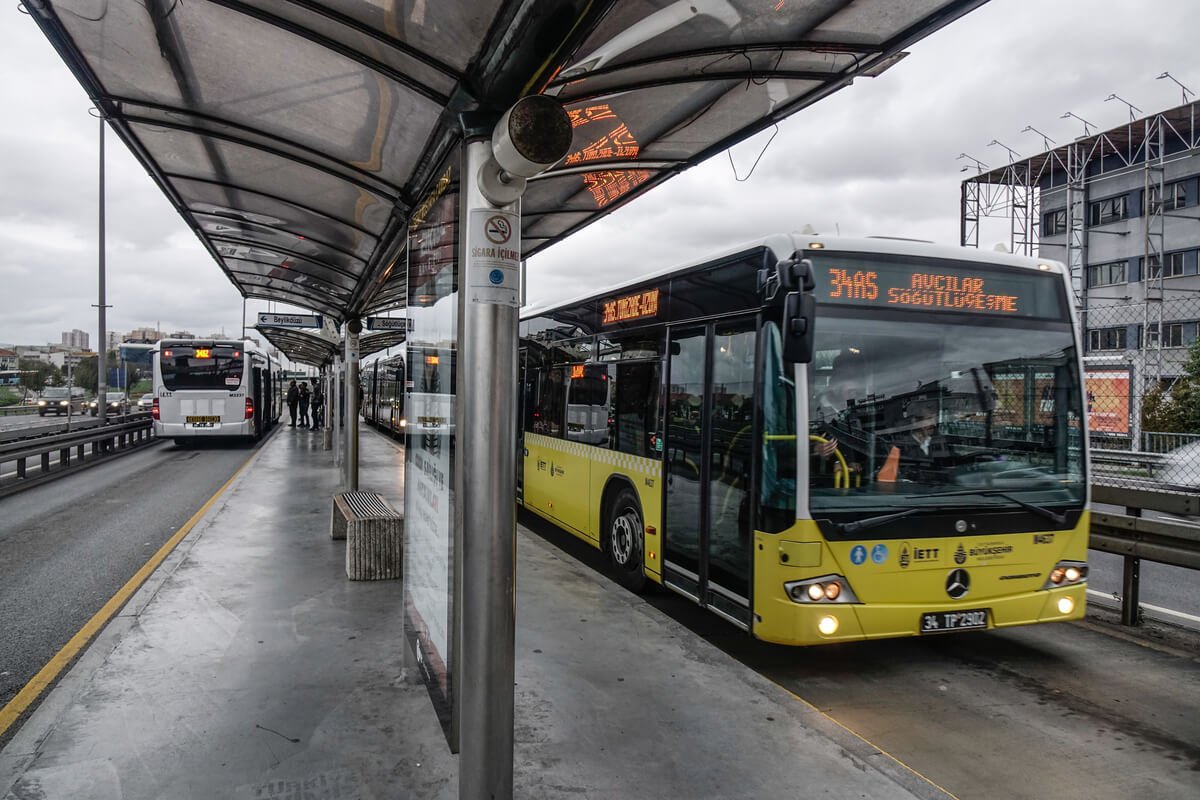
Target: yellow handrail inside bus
pixel 839 477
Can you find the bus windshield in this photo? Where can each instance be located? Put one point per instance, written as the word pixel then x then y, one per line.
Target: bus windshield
pixel 191 368
pixel 928 414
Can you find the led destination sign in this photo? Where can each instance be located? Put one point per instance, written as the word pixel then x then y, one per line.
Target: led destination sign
pixel 634 306
pixel 956 288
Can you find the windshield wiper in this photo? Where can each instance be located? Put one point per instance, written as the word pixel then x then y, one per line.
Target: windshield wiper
pixel 1053 516
pixel 871 522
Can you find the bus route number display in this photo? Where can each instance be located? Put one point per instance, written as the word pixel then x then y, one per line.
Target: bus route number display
pixel 634 306
pixel 937 287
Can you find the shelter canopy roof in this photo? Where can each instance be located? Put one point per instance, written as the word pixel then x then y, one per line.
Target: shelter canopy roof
pixel 296 136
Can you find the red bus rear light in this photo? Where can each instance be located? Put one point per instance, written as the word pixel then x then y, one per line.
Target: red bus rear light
pixel 249 408
pixel 154 409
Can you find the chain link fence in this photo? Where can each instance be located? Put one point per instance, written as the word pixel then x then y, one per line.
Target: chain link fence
pixel 1142 379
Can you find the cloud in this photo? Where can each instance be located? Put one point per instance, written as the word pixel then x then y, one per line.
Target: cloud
pixel 879 158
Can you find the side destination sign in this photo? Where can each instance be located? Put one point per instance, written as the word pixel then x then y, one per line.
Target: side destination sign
pixel 290 320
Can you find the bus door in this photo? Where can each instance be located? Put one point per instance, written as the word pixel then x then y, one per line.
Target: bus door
pixel 256 394
pixel 709 452
pixel 525 400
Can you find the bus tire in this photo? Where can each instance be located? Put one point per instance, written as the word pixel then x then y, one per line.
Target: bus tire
pixel 626 541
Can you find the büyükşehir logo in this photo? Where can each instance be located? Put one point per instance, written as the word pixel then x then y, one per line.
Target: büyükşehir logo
pixel 905 555
pixel 960 555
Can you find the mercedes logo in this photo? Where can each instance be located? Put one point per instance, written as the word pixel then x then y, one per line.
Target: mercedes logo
pixel 958 583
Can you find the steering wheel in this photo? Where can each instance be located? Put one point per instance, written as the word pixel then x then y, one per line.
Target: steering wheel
pixel 841 480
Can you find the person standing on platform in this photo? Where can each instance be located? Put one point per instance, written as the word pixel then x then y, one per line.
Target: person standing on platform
pixel 304 398
pixel 318 404
pixel 293 397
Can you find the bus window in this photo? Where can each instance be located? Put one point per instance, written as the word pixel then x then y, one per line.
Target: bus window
pixel 549 410
pixel 636 412
pixel 529 389
pixel 587 404
pixel 777 484
pixel 570 352
pixel 186 367
pixel 637 345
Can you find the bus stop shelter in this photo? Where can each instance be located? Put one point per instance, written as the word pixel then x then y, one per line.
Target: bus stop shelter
pixel 340 156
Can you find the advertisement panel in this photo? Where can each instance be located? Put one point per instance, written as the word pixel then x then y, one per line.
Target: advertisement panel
pixel 1107 400
pixel 429 502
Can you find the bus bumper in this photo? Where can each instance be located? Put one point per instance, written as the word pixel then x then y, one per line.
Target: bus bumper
pixel 787 622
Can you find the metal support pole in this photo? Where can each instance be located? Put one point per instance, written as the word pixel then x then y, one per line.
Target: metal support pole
pixel 335 400
pixel 327 409
pixel 102 345
pixel 350 464
pixel 487 388
pixel 1131 583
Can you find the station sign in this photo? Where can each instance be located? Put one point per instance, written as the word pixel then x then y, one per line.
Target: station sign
pixel 389 324
pixel 291 320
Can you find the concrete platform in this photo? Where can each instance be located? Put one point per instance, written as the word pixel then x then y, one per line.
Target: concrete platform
pixel 250 667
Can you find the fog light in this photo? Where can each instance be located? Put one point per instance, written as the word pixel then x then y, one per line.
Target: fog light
pixel 815 591
pixel 828 625
pixel 1065 605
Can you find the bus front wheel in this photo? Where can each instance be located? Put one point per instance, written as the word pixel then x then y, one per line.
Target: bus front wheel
pixel 626 541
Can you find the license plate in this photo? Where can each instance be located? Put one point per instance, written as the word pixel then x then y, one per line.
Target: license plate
pixel 947 621
pixel 202 420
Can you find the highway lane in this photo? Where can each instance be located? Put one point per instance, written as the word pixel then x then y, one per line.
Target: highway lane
pixel 66 547
pixel 1067 710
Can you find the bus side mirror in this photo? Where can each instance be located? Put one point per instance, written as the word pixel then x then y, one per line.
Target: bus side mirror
pixel 795 274
pixel 799 318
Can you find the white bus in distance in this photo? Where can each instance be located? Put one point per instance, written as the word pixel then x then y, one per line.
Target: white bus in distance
pixel 214 388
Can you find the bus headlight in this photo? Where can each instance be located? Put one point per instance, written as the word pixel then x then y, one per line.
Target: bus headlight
pixel 826 589
pixel 403 423
pixel 1066 573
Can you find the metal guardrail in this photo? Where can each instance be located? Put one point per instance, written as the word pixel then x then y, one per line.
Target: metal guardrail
pixel 72 451
pixel 1131 536
pixel 17 409
pixel 1129 458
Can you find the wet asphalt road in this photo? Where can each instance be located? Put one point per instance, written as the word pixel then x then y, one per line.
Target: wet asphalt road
pixel 66 547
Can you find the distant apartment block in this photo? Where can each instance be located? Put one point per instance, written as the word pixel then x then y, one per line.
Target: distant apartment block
pixel 76 338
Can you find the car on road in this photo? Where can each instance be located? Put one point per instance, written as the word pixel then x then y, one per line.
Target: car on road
pixel 117 402
pixel 1181 466
pixel 61 400
pixel 145 402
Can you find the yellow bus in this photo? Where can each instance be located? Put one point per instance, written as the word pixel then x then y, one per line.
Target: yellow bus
pixel 819 439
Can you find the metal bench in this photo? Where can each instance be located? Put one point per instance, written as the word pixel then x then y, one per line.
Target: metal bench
pixel 374 534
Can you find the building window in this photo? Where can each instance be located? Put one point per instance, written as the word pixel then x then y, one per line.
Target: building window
pixel 1175 196
pixel 1174 262
pixel 1106 274
pixel 1174 265
pixel 1055 222
pixel 1106 339
pixel 1113 209
pixel 1173 334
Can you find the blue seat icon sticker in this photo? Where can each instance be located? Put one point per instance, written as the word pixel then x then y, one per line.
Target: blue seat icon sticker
pixel 879 553
pixel 496 276
pixel 858 554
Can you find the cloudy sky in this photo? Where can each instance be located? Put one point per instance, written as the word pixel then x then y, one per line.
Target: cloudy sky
pixel 879 158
